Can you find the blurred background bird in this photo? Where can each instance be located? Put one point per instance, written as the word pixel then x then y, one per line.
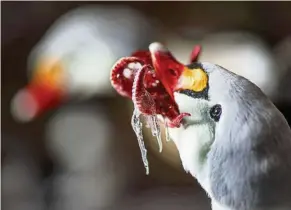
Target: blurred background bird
pixel 67 49
pixel 75 55
pixel 72 61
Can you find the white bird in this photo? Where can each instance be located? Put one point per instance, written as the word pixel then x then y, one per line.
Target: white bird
pixel 242 53
pixel 75 56
pixel 235 142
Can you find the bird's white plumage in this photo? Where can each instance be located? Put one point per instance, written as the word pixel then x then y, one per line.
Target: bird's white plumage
pixel 192 140
pixel 234 159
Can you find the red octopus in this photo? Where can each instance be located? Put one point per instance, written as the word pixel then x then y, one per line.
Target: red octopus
pixel 134 77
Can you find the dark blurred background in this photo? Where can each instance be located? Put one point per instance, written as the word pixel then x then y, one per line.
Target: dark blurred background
pixel 32 164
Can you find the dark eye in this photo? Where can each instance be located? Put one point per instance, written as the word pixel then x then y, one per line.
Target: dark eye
pixel 215 112
pixel 173 72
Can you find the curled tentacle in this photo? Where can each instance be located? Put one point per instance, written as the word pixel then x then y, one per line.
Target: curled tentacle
pixel 140 96
pixel 122 75
pixel 135 78
pixel 148 94
pixel 195 54
pixel 176 122
pixel 144 55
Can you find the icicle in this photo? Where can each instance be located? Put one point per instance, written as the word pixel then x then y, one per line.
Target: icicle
pixel 137 127
pixel 156 130
pixel 167 133
pixel 148 125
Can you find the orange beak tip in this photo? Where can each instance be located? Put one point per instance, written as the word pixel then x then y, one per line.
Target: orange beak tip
pixel 24 106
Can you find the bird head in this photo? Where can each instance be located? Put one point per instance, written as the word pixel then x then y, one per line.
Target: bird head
pixel 213 95
pixel 177 77
pixel 199 89
pixel 75 55
pixel 217 99
pixel 73 73
pixel 186 84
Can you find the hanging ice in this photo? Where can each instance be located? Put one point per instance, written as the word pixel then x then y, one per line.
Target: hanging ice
pixel 137 127
pixel 147 124
pixel 153 122
pixel 167 133
pixel 146 102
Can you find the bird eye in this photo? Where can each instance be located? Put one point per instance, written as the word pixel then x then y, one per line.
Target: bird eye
pixel 173 72
pixel 215 112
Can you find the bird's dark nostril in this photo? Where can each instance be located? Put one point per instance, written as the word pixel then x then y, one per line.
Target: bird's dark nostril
pixel 215 112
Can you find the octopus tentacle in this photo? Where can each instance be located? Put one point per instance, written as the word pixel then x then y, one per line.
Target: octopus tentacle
pixel 121 77
pixel 135 78
pixel 144 55
pixel 140 96
pixel 195 54
pixel 176 122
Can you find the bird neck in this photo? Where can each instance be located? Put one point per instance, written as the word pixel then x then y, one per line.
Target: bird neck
pixel 193 144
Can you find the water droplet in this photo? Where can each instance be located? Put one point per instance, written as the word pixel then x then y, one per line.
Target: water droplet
pixel 127 73
pixel 134 66
pixel 131 65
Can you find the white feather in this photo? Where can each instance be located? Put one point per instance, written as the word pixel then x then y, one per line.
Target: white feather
pixel 192 140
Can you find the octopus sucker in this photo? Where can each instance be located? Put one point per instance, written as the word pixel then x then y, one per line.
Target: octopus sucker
pixel 134 77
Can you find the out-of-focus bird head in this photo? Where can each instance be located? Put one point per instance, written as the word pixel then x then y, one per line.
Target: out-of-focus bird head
pixel 58 74
pixel 74 58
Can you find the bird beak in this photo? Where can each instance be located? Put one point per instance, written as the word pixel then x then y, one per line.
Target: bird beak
pixel 45 91
pixel 174 75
